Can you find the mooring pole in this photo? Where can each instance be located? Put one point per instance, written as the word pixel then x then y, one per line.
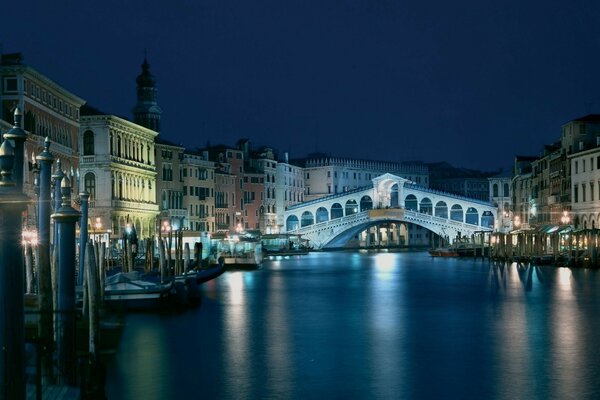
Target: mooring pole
pixel 12 205
pixel 83 236
pixel 45 306
pixel 66 217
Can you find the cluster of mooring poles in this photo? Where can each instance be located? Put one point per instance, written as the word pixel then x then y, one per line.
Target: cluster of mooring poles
pixel 51 285
pixel 561 246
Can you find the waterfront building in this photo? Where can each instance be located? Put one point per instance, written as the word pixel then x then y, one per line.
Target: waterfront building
pixel 118 172
pixel 461 181
pixel 198 174
pixel 500 195
pixel 289 188
pixel 169 185
pixel 585 189
pixel 522 191
pixel 118 164
pixel 229 170
pixel 325 175
pixel 48 109
pixel 261 188
pixel 548 186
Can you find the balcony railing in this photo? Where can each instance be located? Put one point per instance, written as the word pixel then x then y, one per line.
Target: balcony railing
pixel 134 205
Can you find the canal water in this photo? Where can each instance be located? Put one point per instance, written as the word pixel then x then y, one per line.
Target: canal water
pixel 371 325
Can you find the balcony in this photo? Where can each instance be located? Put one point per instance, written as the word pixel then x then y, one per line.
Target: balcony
pixel 125 204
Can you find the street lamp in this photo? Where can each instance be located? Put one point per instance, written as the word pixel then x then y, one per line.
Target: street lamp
pixel 565 218
pixel 517 221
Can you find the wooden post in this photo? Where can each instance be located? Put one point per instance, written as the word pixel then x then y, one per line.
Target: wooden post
pixel 187 257
pixel 28 268
pixel 161 259
pixel 102 269
pixel 91 271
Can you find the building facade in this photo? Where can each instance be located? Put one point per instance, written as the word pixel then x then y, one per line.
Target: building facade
pixel 169 186
pixel 48 109
pixel 289 189
pixel 118 172
pixel 199 191
pixel 324 175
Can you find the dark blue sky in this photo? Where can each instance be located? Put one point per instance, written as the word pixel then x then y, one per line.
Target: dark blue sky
pixel 472 82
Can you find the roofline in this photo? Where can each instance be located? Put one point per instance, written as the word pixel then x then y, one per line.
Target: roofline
pixel 38 75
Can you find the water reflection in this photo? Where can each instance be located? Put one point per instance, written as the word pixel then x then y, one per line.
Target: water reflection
pixel 385 327
pixel 236 335
pixel 369 325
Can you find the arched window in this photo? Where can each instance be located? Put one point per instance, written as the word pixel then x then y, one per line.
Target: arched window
pixel 472 216
pixel 291 223
pixel 366 203
pixel 351 207
pixel 506 191
pixel 306 219
pixel 88 143
pixel 441 209
pixel 336 211
pixel 495 190
pixel 410 203
pixel 322 214
pixel 89 183
pixel 456 213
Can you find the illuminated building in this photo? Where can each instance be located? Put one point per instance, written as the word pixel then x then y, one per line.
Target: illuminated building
pixel 198 177
pixel 289 188
pixel 48 110
pixel 325 175
pixel 118 167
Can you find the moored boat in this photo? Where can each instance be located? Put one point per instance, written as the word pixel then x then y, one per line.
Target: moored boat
pixel 130 291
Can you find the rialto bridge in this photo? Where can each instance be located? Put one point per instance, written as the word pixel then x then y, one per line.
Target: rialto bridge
pixel 332 221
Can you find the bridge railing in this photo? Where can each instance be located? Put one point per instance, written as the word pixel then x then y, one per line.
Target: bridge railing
pixel 446 194
pixel 344 220
pixel 328 197
pixel 441 220
pixel 408 215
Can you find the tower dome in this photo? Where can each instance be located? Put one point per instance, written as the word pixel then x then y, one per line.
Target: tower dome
pixel 146 111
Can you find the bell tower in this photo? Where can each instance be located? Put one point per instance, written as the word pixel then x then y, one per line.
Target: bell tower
pixel 146 111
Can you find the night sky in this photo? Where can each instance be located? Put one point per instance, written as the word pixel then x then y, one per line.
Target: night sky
pixel 471 82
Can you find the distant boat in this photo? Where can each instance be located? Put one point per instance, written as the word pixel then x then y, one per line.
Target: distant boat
pixel 238 252
pixel 283 244
pixel 129 290
pixel 443 252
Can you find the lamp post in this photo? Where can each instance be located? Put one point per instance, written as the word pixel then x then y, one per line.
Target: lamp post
pixel 166 229
pixel 565 219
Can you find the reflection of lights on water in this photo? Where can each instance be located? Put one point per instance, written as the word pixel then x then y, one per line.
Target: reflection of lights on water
pixel 564 277
pixel 384 264
pixel 236 288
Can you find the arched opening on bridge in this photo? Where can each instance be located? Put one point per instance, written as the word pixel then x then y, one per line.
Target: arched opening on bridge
pixel 366 203
pixel 351 207
pixel 487 219
pixel 426 206
pixel 410 203
pixel 394 202
pixel 322 215
pixel 441 209
pixel 336 211
pixel 472 216
pixel 291 224
pixel 456 213
pixel 306 219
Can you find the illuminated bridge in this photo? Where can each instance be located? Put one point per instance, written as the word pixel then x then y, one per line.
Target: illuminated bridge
pixel 332 221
